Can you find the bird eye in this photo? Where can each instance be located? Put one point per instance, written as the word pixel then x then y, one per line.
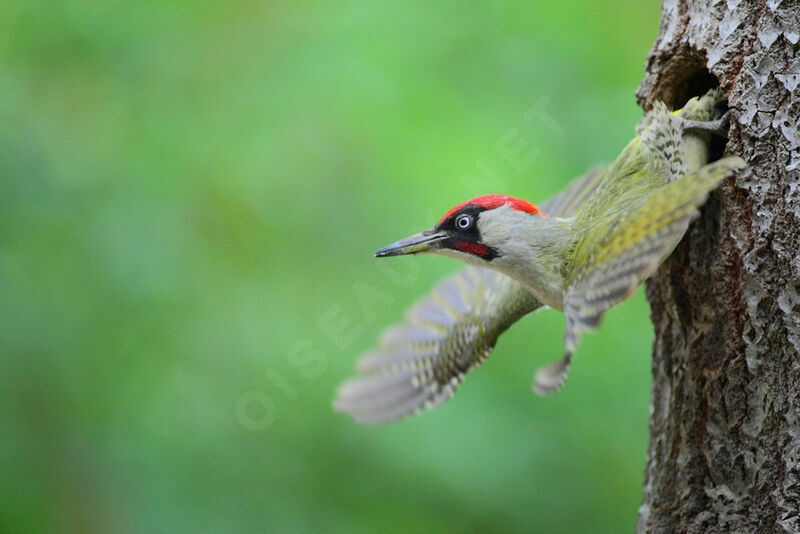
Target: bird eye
pixel 463 221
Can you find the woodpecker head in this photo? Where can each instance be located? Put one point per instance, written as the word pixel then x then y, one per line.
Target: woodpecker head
pixel 476 231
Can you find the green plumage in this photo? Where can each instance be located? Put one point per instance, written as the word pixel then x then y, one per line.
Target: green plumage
pixel 623 221
pixel 422 362
pixel 639 212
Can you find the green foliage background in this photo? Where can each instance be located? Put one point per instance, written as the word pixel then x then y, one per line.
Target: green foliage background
pixel 188 190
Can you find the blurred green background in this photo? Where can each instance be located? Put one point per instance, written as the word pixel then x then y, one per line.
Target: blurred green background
pixel 190 194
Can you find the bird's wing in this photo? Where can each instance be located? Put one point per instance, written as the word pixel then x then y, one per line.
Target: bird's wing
pixel 628 229
pixel 608 265
pixel 421 362
pixel 661 152
pixel 568 201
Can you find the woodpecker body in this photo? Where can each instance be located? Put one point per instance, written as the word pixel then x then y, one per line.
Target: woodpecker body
pixel 582 253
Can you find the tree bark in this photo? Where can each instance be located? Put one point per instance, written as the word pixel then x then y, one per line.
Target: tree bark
pixel 724 452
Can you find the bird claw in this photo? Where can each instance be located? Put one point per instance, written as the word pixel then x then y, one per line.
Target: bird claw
pixel 718 127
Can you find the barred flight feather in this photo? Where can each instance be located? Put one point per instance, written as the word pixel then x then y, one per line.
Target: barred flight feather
pixel 626 219
pixel 616 265
pixel 422 362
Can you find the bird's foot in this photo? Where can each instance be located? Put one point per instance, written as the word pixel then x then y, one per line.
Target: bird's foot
pixel 718 127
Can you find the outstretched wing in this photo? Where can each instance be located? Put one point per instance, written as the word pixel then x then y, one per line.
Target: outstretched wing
pixel 422 362
pixel 609 265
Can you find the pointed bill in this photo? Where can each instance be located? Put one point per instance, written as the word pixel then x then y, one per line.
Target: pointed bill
pixel 421 242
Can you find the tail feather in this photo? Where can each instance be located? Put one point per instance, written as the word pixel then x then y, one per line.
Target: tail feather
pixel 550 378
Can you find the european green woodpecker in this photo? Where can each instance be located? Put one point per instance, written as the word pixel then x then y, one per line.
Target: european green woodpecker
pixel 582 252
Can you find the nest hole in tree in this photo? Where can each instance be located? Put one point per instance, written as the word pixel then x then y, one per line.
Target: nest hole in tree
pixel 683 74
pixel 699 84
pixel 696 80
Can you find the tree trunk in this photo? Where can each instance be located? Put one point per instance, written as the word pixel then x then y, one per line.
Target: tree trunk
pixel 724 452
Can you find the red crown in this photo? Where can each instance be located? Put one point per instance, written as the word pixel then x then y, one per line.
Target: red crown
pixel 491 202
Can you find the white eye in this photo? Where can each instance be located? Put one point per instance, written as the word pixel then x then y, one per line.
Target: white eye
pixel 463 221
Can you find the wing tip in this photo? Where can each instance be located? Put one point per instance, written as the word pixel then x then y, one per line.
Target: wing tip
pixel 420 363
pixel 382 398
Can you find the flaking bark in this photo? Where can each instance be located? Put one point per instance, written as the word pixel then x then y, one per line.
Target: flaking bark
pixel 724 452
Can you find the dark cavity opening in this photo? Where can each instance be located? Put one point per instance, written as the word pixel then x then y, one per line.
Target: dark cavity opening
pixel 696 81
pixel 681 78
pixel 692 80
pixel 699 83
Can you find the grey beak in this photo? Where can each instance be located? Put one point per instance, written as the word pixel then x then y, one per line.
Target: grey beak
pixel 421 242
